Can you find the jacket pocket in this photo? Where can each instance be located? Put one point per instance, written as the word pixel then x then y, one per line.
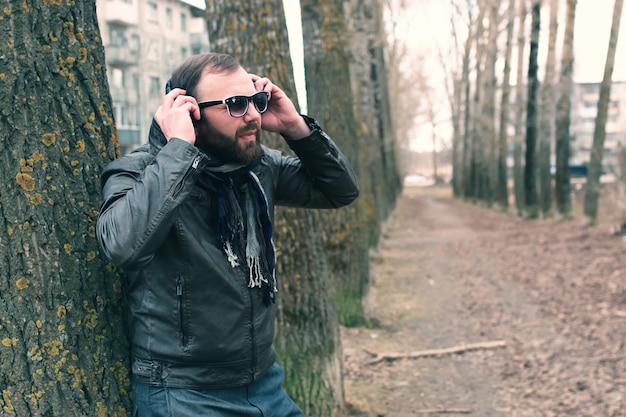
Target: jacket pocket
pixel 180 297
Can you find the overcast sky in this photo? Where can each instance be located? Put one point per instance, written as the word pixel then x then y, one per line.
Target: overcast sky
pixel 427 22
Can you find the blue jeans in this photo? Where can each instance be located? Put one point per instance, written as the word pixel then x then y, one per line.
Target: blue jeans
pixel 262 398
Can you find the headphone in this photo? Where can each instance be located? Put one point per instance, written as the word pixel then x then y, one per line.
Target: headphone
pixel 168 86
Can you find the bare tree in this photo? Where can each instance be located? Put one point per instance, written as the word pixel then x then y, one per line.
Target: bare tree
pixel 563 108
pixel 463 173
pixel 62 345
pixel 592 188
pixel 370 89
pixel 477 165
pixel 546 117
pixel 488 107
pixel 307 336
pixel 530 174
pixel 520 100
pixel 327 58
pixel 502 192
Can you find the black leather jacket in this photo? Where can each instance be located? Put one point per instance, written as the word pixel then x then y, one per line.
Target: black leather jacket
pixel 194 323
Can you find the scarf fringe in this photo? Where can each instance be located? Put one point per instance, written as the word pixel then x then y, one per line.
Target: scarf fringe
pixel 256 228
pixel 256 276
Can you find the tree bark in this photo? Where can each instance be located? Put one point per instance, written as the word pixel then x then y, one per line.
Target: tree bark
pixel 370 90
pixel 326 57
pixel 62 345
pixel 592 189
pixel 546 119
pixel 477 163
pixel 502 188
pixel 530 174
pixel 563 108
pixel 488 116
pixel 307 333
pixel 520 101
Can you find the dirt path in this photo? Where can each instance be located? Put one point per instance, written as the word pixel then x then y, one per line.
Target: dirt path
pixel 451 274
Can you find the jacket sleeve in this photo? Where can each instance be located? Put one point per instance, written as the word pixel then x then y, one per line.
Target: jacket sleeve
pixel 320 177
pixel 140 192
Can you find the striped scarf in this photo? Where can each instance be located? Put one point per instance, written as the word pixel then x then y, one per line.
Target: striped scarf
pixel 244 225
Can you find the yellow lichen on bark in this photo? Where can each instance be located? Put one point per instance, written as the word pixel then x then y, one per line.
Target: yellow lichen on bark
pixel 35 396
pixel 25 181
pixel 22 283
pixel 53 347
pixel 91 318
pixel 48 139
pixel 35 199
pixel 82 55
pixel 8 404
pixel 26 165
pixel 79 378
pixel 9 342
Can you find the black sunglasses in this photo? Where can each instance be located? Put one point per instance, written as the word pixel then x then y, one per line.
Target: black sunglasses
pixel 237 106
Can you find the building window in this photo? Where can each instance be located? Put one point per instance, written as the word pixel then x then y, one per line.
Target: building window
pixel 117 78
pixel 169 17
pixel 135 80
pixel 155 86
pixel 118 37
pixel 135 42
pixel 183 22
pixel 152 13
pixel 184 52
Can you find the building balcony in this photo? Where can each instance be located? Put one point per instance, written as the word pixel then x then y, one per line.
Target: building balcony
pixel 129 135
pixel 124 95
pixel 121 55
pixel 121 12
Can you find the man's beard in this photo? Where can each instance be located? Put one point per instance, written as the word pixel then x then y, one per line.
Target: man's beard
pixel 226 148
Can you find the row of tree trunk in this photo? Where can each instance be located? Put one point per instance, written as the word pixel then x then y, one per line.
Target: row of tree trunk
pixel 63 349
pixel 534 122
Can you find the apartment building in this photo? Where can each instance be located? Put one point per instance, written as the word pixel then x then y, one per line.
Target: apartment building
pixel 144 40
pixel 584 110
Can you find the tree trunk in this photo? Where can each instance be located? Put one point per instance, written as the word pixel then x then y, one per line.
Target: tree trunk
pixel 62 344
pixel 477 164
pixel 502 189
pixel 546 119
pixel 530 174
pixel 327 60
pixel 468 145
pixel 307 337
pixel 369 86
pixel 563 108
pixel 520 101
pixel 488 117
pixel 592 189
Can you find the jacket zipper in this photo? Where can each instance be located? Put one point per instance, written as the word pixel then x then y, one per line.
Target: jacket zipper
pixel 196 162
pixel 194 167
pixel 181 311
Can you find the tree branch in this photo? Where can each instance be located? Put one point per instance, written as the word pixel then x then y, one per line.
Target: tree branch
pixel 379 357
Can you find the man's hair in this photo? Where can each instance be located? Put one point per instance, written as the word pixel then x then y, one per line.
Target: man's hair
pixel 187 75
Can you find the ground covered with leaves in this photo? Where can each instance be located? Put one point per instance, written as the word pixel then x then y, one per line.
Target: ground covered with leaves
pixel 479 312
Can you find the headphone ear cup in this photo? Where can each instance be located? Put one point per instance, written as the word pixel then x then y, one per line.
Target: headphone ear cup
pixel 168 86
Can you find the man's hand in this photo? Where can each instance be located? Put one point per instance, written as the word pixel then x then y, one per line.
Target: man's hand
pixel 175 114
pixel 281 115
